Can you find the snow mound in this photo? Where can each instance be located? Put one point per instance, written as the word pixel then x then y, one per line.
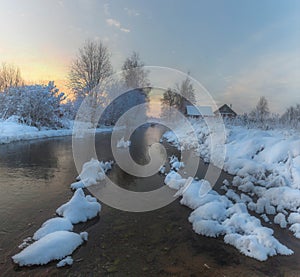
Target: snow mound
pixel 26 242
pixel 209 228
pixel 199 193
pixel 175 163
pixel 295 228
pixel 92 172
pixel 84 236
pixel 246 233
pixel 66 261
pixel 54 246
pixel 280 219
pixel 123 144
pixel 53 225
pixel 174 180
pixel 294 218
pixel 256 246
pixel 162 169
pixel 216 215
pixel 80 208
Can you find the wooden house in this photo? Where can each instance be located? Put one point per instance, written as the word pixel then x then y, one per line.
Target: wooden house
pixel 226 111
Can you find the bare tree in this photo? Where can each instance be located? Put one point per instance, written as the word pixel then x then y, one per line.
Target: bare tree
pixel 182 95
pixel 169 101
pixel 89 73
pixel 261 111
pixel 185 93
pixel 10 76
pixel 170 98
pixel 134 73
pixel 91 67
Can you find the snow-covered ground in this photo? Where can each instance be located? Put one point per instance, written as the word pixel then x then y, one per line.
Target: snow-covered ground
pixel 266 166
pixel 11 130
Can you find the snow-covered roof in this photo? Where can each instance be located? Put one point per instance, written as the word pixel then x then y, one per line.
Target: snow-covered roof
pixel 199 110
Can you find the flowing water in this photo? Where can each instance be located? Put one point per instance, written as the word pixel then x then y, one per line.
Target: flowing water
pixel 34 180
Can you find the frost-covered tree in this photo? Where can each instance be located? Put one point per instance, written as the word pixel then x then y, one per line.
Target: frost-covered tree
pixel 134 73
pixel 10 76
pixel 292 116
pixel 34 105
pixel 261 111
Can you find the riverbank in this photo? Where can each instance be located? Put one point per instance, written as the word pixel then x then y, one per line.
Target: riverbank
pixel 12 131
pixel 266 169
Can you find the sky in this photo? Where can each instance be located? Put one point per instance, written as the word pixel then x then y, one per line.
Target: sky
pixel 238 50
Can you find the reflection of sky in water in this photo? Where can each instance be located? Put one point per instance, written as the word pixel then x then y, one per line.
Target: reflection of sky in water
pixel 154 107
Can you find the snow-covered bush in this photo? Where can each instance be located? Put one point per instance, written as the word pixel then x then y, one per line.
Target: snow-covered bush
pixel 35 105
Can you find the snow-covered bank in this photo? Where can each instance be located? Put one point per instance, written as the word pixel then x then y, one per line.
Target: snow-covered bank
pixel 216 215
pixel 11 130
pixel 266 165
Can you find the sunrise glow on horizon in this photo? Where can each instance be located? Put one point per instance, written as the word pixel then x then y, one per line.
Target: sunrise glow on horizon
pixel 238 50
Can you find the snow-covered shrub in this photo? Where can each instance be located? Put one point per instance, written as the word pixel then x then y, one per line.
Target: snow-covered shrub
pixel 35 105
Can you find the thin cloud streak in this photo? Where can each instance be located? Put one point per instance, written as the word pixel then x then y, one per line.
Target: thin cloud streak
pixel 117 24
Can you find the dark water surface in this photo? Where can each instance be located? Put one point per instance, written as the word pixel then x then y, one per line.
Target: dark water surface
pixel 34 181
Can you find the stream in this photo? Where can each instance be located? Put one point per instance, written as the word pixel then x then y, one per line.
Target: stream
pixel 35 178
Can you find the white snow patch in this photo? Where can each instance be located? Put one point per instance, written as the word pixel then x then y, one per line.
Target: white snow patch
pixel 80 208
pixel 122 143
pixel 295 228
pixel 174 180
pixel 64 262
pixel 162 169
pixel 294 218
pixel 92 172
pixel 11 130
pixel 175 163
pixel 54 246
pixel 53 225
pixel 280 219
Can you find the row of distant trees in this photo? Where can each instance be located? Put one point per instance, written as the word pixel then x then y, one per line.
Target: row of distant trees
pixel 89 76
pixel 261 117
